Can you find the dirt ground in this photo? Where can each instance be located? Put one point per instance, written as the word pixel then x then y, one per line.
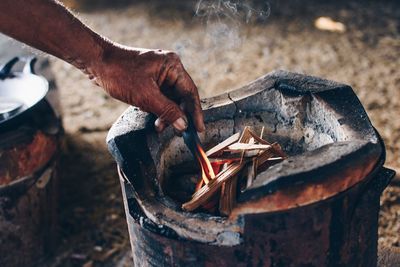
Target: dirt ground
pixel 220 56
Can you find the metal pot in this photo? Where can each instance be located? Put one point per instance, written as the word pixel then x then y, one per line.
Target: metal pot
pixel 20 92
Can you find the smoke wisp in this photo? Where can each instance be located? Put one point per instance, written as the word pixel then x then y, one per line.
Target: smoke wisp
pixel 225 24
pixel 233 11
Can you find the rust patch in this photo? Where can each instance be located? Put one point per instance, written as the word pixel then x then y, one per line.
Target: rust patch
pixel 25 159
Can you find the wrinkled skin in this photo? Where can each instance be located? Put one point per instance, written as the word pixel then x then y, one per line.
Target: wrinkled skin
pixel 153 80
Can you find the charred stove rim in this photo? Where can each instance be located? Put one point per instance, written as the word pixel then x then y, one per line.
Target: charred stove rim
pixel 138 215
pixel 274 181
pixel 285 81
pixel 380 176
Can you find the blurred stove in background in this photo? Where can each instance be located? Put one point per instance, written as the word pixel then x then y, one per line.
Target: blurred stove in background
pixel 30 138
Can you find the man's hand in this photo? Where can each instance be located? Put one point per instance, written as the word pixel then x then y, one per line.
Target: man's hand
pixel 153 80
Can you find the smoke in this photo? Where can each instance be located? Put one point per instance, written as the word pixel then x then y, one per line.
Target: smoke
pixel 223 19
pixel 224 33
pixel 233 11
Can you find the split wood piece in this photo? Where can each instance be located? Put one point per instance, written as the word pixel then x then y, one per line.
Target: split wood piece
pixel 239 154
pixel 259 139
pixel 255 166
pixel 212 204
pixel 276 147
pixel 262 133
pixel 252 153
pixel 238 147
pixel 218 148
pixel 228 196
pixel 199 184
pixel 251 172
pixel 223 160
pixel 273 160
pixel 207 191
pixel 225 155
pixel 255 160
pixel 234 153
pixel 216 165
pixel 278 150
pixel 264 157
pixel 244 138
pixel 205 164
pixel 268 163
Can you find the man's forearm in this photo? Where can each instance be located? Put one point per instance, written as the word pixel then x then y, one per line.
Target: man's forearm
pixel 132 75
pixel 48 26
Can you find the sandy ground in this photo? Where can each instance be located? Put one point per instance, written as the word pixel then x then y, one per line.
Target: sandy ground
pixel 220 57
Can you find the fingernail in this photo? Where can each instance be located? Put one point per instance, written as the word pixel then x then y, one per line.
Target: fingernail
pixel 180 124
pixel 159 125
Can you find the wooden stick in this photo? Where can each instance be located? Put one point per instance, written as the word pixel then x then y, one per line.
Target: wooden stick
pixel 244 138
pixel 204 193
pixel 234 153
pixel 263 157
pixel 262 133
pixel 234 138
pixel 255 160
pixel 228 196
pixel 258 139
pixel 243 146
pixel 212 204
pixel 268 163
pixel 223 160
pixel 251 172
pixel 245 135
pixel 278 150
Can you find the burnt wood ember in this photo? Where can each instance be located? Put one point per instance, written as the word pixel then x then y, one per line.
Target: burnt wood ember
pixel 318 207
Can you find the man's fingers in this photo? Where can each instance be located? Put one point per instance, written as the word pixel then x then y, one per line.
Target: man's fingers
pixel 180 125
pixel 184 89
pixel 191 99
pixel 168 112
pixel 160 125
pixel 198 117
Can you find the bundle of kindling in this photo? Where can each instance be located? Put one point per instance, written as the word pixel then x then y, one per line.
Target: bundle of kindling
pixel 229 168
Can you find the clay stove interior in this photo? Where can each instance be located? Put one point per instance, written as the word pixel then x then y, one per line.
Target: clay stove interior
pixel 320 124
pixel 178 173
pixel 300 123
pixel 296 124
